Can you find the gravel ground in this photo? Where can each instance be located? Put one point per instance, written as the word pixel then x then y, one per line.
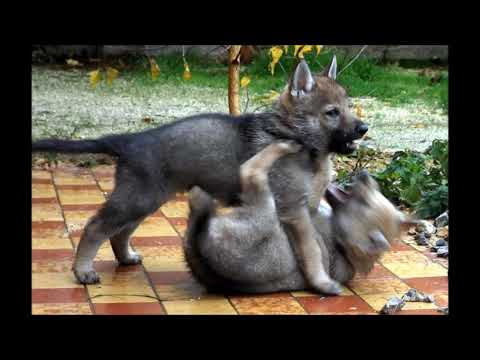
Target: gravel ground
pixel 64 105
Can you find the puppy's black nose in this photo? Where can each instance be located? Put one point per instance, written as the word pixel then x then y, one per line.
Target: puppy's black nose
pixel 362 129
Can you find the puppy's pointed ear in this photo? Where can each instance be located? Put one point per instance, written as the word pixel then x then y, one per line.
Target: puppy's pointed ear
pixel 302 81
pixel 331 70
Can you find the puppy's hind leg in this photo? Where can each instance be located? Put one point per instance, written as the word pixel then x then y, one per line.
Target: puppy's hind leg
pixel 120 245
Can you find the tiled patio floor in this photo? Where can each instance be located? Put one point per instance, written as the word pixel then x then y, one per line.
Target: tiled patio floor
pixel 62 201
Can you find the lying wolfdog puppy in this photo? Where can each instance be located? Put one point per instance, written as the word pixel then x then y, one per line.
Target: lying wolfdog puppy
pixel 249 250
pixel 207 151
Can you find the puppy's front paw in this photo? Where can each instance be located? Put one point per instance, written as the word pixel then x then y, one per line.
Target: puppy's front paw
pixel 87 277
pixel 132 259
pixel 288 146
pixel 328 287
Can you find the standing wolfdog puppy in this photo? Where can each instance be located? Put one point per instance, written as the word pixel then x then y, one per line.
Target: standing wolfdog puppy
pixel 249 250
pixel 207 150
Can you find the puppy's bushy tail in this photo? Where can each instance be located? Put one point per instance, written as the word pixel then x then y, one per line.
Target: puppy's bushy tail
pixel 202 208
pixel 99 146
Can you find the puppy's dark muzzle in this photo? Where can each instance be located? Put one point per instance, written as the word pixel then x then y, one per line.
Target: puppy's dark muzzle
pixel 362 129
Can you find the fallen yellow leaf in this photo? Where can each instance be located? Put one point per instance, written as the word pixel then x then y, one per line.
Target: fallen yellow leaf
pixel 245 81
pixel 154 69
pixel 112 74
pixel 271 96
pixel 419 126
pixel 285 47
pixel 186 74
pixel 319 48
pixel 95 77
pixel 276 53
pixel 359 110
pixel 305 49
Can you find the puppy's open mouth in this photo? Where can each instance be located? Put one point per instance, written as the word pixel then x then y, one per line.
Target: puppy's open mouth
pixel 353 145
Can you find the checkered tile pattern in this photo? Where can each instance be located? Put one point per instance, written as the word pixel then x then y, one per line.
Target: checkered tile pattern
pixel 64 198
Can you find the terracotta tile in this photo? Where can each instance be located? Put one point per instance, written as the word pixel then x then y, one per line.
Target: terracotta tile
pixel 43 191
pixel 51 200
pixel 179 224
pixel 82 207
pixel 156 241
pixel 175 209
pixel 345 292
pixel 255 305
pixel 129 309
pixel 44 296
pixel 42 181
pixel 105 253
pixel 80 197
pixel 46 212
pixel 44 225
pixel 335 304
pixel 429 285
pixel 62 178
pixel 169 277
pixel 181 197
pixel 400 246
pixel 54 280
pixel 122 287
pixel 92 187
pixel 441 300
pixel 376 286
pixel 408 264
pixel 41 174
pixel 61 309
pixel 378 272
pixel 199 307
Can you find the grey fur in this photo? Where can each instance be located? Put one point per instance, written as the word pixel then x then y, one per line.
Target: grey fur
pixel 207 151
pixel 249 250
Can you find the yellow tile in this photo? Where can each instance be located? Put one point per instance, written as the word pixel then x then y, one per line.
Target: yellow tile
pixel 51 243
pixel 175 209
pixel 80 196
pixel 54 280
pixel 251 305
pixel 419 306
pixel 199 307
pixel 41 174
pixel 407 264
pixel 46 212
pixel 71 179
pixel 155 227
pixel 379 286
pixel 163 258
pixel 76 219
pixel 345 292
pixel 61 309
pixel 182 291
pixel 122 287
pixel 105 253
pixel 43 191
pixel 106 184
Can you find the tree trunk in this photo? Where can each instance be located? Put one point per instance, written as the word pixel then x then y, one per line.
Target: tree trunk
pixel 234 79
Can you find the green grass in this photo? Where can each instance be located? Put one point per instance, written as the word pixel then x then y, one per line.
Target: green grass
pixel 366 77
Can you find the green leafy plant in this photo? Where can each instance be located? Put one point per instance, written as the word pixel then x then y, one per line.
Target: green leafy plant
pixel 418 179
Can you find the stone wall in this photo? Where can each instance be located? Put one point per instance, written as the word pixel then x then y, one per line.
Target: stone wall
pixel 386 52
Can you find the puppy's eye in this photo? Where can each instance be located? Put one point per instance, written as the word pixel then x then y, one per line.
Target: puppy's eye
pixel 332 112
